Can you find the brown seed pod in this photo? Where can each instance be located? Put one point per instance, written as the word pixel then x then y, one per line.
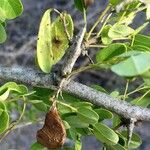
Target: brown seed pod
pixel 53 133
pixel 88 2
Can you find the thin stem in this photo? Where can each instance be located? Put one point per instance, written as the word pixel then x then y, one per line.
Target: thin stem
pixel 133 38
pixel 65 27
pixel 88 56
pixel 79 70
pixel 62 16
pixel 84 16
pixel 144 95
pixel 126 89
pixel 67 105
pixel 140 9
pixel 137 90
pixel 98 20
pixel 98 34
pixel 124 13
pixel 97 46
pixel 12 100
pixel 130 128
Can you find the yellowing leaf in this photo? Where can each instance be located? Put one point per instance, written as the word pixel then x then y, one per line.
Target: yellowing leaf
pixel 59 37
pixel 52 40
pixel 44 45
pixel 119 31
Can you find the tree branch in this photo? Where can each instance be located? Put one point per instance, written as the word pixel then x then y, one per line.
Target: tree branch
pixel 35 78
pixel 73 53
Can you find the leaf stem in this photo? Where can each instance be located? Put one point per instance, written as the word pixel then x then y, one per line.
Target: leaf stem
pixel 80 70
pixel 67 105
pixel 98 20
pixel 126 89
pixel 137 90
pixel 97 46
pixel 144 95
pixel 106 20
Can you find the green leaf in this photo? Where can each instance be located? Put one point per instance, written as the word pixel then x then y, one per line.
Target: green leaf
pixel 119 31
pixel 4 121
pixel 130 53
pixel 110 52
pixel 11 86
pixel 116 121
pixel 72 134
pixel 133 66
pixel 79 4
pixel 114 94
pixel 5 95
pixel 84 131
pixel 23 90
pixel 146 81
pixel 52 40
pixel 3 35
pixel 115 2
pixel 44 45
pixel 140 48
pixel 75 121
pixel 144 102
pixel 148 12
pixel 99 88
pixel 2 15
pixel 87 115
pixel 11 9
pixel 78 145
pixel 103 114
pixel 115 147
pixel 135 140
pixel 63 109
pixel 82 104
pixel 2 106
pixel 66 124
pixel 142 40
pixel 104 35
pixel 39 104
pixel 105 134
pixel 37 146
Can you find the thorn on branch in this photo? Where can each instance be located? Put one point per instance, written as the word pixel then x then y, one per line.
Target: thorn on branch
pixel 130 127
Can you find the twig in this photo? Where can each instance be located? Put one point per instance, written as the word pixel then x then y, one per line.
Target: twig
pixel 130 128
pixel 70 58
pixel 99 20
pixel 35 78
pixel 73 53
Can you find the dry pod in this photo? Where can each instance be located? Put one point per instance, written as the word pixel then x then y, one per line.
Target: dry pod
pixel 53 133
pixel 88 2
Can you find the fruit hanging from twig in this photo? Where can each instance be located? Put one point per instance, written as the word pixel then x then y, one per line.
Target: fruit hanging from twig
pixel 53 133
